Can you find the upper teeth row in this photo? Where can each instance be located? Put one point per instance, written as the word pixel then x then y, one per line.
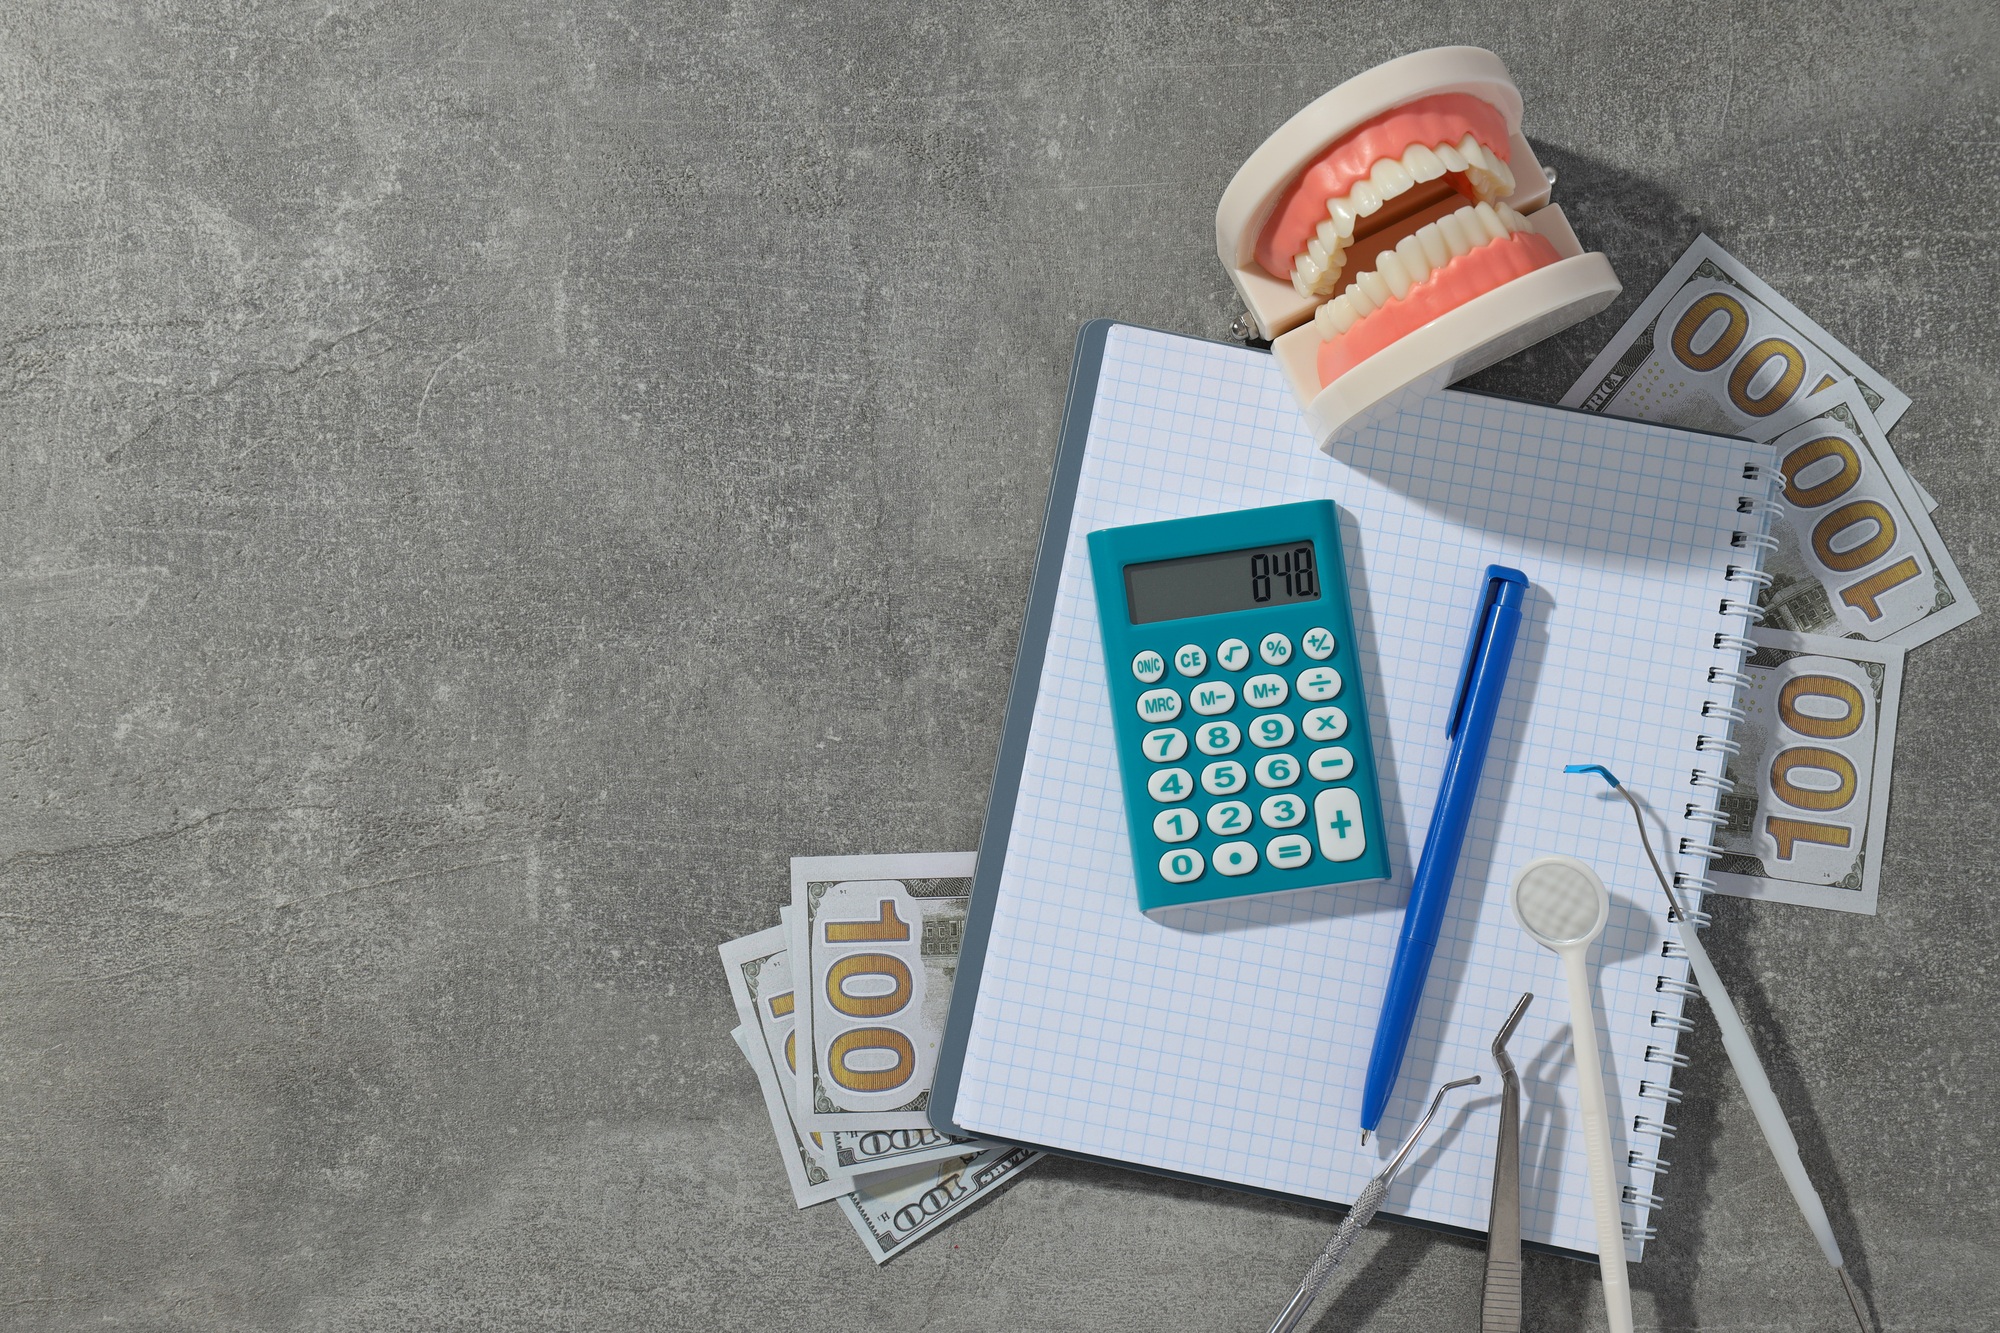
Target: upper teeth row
pixel 1316 269
pixel 1398 270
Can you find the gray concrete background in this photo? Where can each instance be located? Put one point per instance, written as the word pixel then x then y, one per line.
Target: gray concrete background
pixel 487 482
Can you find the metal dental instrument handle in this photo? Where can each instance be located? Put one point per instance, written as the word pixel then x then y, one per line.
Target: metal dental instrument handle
pixel 1743 1058
pixel 1500 1301
pixel 1358 1216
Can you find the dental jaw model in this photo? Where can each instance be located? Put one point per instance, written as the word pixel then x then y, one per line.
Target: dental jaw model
pixel 1396 235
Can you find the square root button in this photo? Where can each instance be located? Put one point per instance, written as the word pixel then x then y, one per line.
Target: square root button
pixel 1337 815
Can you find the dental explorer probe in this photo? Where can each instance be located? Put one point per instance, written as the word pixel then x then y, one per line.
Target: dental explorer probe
pixel 1743 1058
pixel 1358 1216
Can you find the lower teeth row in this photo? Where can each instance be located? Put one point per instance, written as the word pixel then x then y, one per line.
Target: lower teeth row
pixel 1430 247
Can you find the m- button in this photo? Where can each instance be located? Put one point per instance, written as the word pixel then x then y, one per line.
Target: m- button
pixel 1337 815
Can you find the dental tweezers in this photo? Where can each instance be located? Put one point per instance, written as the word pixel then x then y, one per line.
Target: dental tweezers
pixel 1500 1302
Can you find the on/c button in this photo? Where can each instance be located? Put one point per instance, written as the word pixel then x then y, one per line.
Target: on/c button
pixel 1337 813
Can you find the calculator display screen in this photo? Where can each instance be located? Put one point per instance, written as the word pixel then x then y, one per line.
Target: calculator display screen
pixel 1208 585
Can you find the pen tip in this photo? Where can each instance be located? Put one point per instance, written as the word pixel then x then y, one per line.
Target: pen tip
pixel 1364 1138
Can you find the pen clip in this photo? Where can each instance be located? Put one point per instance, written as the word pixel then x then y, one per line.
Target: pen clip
pixel 1489 593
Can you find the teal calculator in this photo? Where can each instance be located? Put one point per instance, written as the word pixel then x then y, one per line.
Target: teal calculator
pixel 1236 695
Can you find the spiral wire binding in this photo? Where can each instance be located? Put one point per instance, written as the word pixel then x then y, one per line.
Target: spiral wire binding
pixel 1704 818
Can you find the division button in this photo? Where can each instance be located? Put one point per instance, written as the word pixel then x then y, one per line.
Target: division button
pixel 1165 745
pixel 1235 858
pixel 1149 666
pixel 1331 764
pixel 1275 649
pixel 1161 705
pixel 1337 815
pixel 1190 660
pixel 1213 738
pixel 1223 779
pixel 1181 866
pixel 1318 644
pixel 1212 697
pixel 1176 825
pixel 1288 851
pixel 1168 785
pixel 1324 724
pixel 1265 691
pixel 1318 684
pixel 1234 654
pixel 1227 817
pixel 1282 811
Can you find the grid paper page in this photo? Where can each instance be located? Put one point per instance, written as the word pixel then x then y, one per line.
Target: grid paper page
pixel 1235 1048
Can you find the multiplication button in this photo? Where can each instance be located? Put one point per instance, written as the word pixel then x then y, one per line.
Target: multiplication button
pixel 1324 724
pixel 1183 865
pixel 1162 705
pixel 1318 644
pixel 1149 666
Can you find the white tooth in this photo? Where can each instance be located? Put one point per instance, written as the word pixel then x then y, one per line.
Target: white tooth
pixel 1504 172
pixel 1422 163
pixel 1337 315
pixel 1495 228
pixel 1328 235
pixel 1411 251
pixel 1358 300
pixel 1458 232
pixel 1304 267
pixel 1374 287
pixel 1317 249
pixel 1514 221
pixel 1392 271
pixel 1474 155
pixel 1434 245
pixel 1450 157
pixel 1342 214
pixel 1389 178
pixel 1363 199
pixel 1300 285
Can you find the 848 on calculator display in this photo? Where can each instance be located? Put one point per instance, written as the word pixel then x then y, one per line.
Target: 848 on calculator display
pixel 1242 732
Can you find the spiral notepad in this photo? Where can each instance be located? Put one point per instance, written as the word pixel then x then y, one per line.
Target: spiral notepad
pixel 1233 1048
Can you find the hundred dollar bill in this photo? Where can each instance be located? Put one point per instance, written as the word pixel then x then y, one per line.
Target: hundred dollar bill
pixel 760 981
pixel 892 1210
pixel 1857 555
pixel 755 965
pixel 1811 779
pixel 1714 348
pixel 875 942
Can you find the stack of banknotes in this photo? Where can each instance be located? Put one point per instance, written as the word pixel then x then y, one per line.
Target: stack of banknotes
pixel 841 1010
pixel 1854 572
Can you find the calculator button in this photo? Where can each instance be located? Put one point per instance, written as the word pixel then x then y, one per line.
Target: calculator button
pixel 1265 691
pixel 1190 660
pixel 1234 654
pixel 1170 784
pixel 1277 770
pixel 1270 731
pixel 1176 825
pixel 1318 644
pixel 1318 684
pixel 1235 858
pixel 1228 817
pixel 1286 811
pixel 1331 764
pixel 1337 812
pixel 1288 851
pixel 1275 649
pixel 1212 697
pixel 1181 866
pixel 1325 724
pixel 1217 737
pixel 1149 666
pixel 1165 745
pixel 1222 779
pixel 1159 705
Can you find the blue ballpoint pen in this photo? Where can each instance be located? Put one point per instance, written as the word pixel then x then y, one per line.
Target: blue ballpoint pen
pixel 1503 593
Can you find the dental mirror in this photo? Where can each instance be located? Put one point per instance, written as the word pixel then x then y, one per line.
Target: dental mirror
pixel 1563 906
